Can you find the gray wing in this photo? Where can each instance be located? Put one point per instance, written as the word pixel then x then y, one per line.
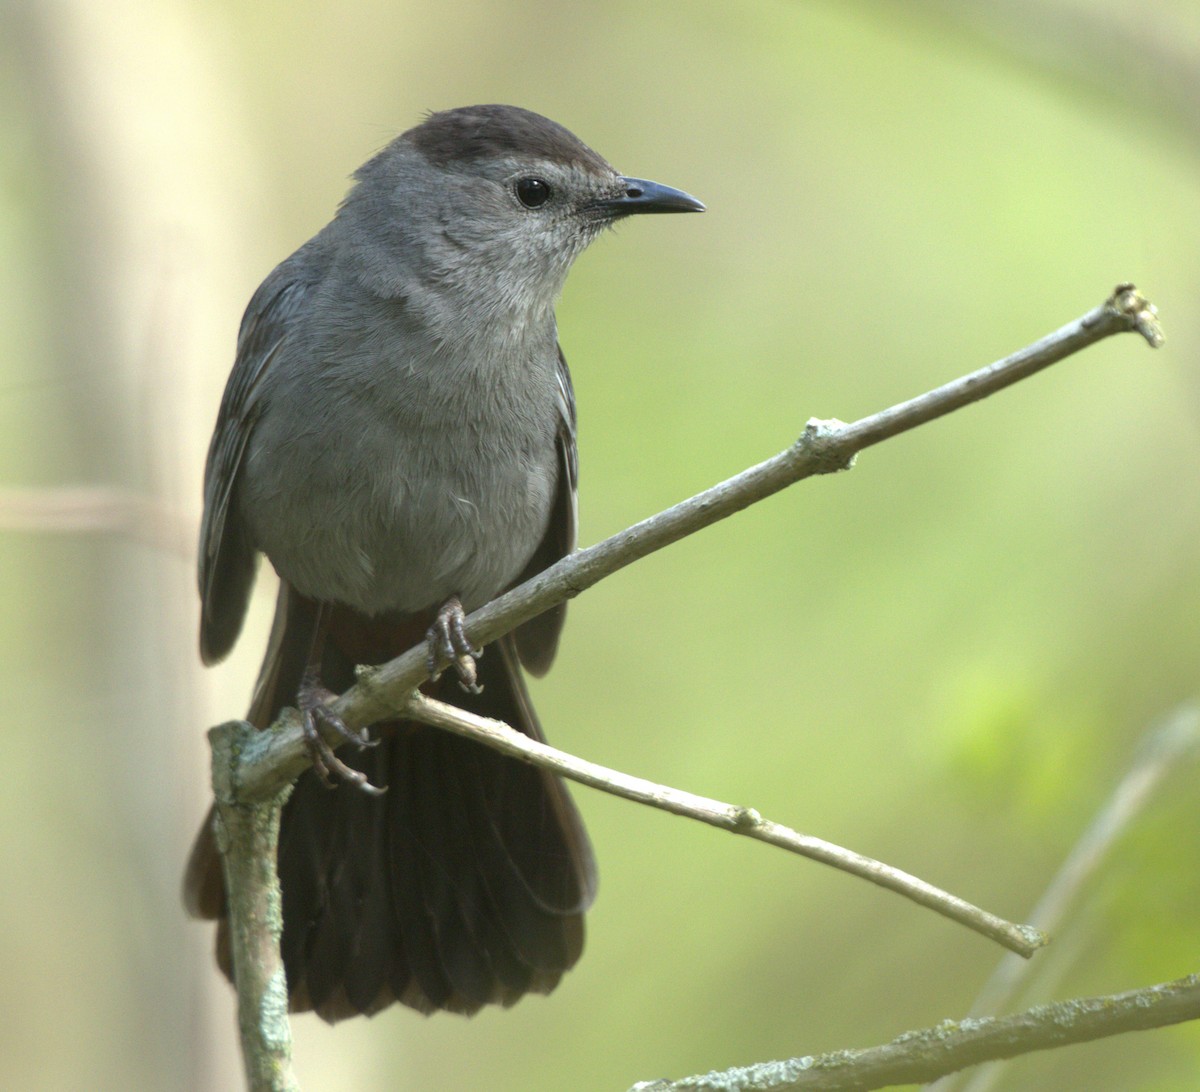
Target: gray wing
pixel 227 556
pixel 537 639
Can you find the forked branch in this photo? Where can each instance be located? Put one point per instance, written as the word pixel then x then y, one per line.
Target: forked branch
pixel 252 769
pixel 824 447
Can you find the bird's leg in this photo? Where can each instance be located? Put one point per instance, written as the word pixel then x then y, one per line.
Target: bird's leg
pixel 449 646
pixel 312 699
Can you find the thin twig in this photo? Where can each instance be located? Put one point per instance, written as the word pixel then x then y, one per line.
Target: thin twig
pixel 1168 743
pixel 925 1055
pixel 731 817
pixel 1165 745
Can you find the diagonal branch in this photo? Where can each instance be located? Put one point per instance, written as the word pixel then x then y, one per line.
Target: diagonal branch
pixel 920 1056
pixel 734 818
pixel 1165 747
pixel 824 447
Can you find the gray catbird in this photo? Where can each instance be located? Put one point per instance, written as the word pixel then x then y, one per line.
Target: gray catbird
pixel 398 437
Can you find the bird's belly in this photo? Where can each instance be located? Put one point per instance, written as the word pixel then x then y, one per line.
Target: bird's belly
pixel 408 537
pixel 446 539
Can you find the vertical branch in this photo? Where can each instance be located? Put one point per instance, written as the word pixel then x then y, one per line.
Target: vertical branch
pixel 248 838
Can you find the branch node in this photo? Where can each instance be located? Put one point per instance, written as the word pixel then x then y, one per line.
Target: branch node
pixel 744 818
pixel 823 442
pixel 1138 313
pixel 367 676
pixel 365 673
pixel 379 701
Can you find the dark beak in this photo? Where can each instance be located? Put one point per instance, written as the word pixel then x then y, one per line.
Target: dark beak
pixel 640 195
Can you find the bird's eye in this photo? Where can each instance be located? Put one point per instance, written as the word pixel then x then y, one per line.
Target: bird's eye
pixel 532 192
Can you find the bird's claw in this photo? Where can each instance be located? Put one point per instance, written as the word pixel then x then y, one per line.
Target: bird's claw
pixel 449 646
pixel 314 709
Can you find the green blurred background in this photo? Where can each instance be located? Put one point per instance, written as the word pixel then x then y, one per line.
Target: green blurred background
pixel 943 659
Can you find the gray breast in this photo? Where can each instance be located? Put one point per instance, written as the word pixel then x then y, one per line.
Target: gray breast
pixel 385 475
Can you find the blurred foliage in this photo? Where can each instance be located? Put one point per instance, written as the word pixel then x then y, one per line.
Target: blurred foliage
pixel 943 659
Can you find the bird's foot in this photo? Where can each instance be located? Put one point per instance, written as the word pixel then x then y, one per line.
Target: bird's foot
pixel 449 646
pixel 313 701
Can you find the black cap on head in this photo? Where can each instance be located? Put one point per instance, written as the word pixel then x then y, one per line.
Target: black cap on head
pixel 472 133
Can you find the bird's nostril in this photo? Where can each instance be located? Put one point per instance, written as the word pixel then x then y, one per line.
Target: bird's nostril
pixel 634 191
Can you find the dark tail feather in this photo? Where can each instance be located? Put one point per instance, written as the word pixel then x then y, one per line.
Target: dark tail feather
pixel 464 885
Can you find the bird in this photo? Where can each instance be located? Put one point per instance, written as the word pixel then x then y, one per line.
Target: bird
pixel 398 438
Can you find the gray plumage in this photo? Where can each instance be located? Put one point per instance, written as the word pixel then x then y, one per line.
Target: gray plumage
pixel 399 429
